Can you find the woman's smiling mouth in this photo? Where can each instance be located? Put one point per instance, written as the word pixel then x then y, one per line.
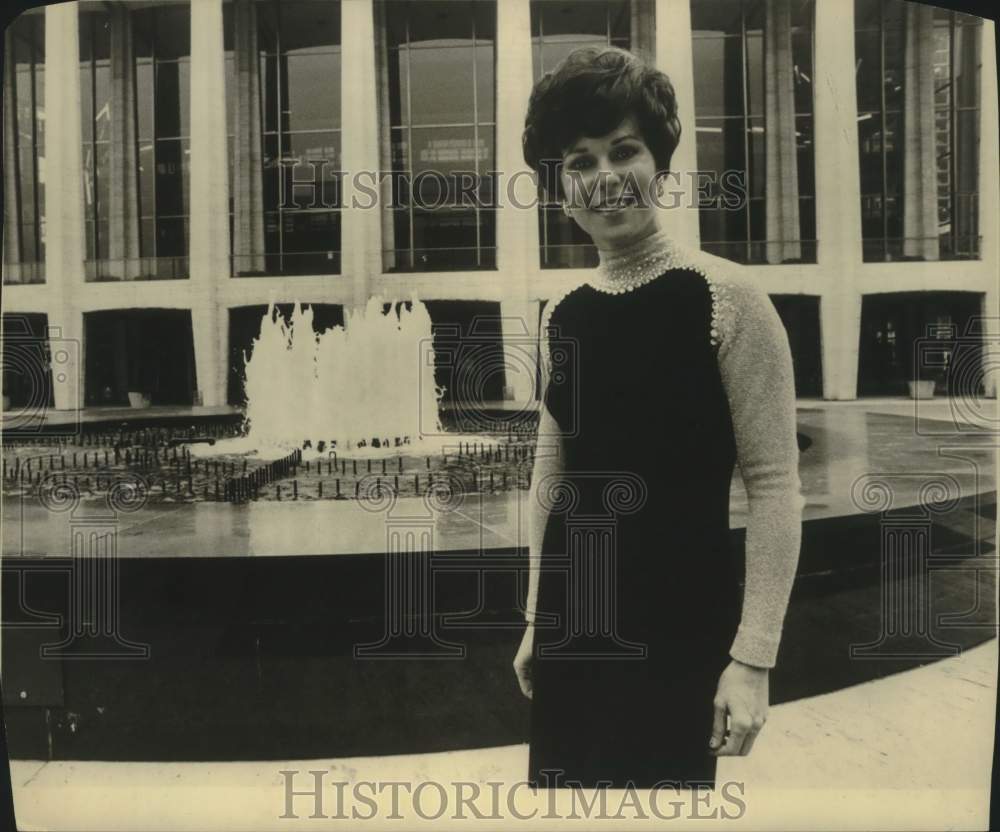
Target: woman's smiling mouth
pixel 614 206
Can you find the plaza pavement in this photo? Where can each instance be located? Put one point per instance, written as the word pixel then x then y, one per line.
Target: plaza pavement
pixel 910 751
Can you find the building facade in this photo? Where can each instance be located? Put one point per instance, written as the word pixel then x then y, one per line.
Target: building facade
pixel 173 167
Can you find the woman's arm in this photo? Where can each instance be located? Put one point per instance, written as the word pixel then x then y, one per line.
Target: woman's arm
pixel 548 459
pixel 756 366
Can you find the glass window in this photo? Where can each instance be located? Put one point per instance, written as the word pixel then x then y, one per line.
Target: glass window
pixel 170 26
pixel 564 243
pixel 438 22
pixel 440 68
pixel 171 99
pixel 886 147
pixel 716 19
pixel 171 177
pixel 102 166
pixel 732 128
pixel 161 39
pixel 171 237
pixel 299 62
pixel 438 83
pixel 29 179
pixel 147 186
pixel 313 90
pixel 26 109
pixel 449 239
pixel 308 27
pixel 96 112
pixel 310 242
pixel 144 98
pixel 558 27
pixel 311 169
pixel 756 103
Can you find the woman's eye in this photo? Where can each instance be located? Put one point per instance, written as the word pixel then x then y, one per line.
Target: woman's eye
pixel 579 163
pixel 624 152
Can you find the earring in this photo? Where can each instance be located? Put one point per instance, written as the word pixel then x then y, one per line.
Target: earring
pixel 659 188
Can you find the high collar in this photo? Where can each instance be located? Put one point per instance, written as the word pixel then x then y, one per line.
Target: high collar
pixel 627 268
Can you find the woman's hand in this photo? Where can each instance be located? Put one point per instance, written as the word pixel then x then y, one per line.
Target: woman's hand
pixel 522 661
pixel 743 696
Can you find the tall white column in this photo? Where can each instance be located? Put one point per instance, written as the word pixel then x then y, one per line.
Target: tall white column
pixel 517 192
pixel 675 57
pixel 65 246
pixel 209 210
pixel 989 204
pixel 517 197
pixel 838 195
pixel 361 231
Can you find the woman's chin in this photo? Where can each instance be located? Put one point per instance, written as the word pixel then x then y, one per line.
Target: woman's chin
pixel 619 236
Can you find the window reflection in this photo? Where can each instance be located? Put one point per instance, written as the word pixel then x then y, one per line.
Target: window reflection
pixel 753 108
pixel 162 48
pixel 917 76
pixel 558 27
pixel 24 117
pixel 285 85
pixel 436 68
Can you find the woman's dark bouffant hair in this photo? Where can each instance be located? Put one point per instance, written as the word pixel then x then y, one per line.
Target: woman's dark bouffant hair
pixel 590 92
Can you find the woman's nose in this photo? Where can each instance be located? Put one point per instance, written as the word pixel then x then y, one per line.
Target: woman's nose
pixel 611 179
pixel 611 174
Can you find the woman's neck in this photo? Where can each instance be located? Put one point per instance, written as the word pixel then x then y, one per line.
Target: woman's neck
pixel 625 268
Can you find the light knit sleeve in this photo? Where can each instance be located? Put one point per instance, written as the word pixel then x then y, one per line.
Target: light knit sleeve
pixel 756 367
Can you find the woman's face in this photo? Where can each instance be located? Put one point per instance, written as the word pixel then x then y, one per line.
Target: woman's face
pixel 608 184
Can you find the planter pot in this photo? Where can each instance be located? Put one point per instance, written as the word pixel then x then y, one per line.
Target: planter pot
pixel 138 400
pixel 921 389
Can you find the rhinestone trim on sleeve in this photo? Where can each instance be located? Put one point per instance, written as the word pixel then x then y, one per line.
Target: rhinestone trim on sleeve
pixel 722 310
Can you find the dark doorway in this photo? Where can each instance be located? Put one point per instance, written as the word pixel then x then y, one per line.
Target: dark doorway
pixel 468 347
pixel 27 373
pixel 800 315
pixel 244 327
pixel 148 351
pixel 920 335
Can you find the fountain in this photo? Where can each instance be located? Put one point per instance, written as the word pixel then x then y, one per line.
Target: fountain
pixel 372 379
pixel 347 413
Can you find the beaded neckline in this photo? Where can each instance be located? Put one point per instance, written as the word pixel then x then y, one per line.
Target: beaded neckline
pixel 626 269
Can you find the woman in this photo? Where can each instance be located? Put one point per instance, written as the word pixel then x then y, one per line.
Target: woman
pixel 642 664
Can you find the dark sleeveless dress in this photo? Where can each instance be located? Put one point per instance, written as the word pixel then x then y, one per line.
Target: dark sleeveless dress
pixel 638 585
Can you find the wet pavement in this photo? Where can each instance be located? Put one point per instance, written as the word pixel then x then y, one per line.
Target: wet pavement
pixel 860 458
